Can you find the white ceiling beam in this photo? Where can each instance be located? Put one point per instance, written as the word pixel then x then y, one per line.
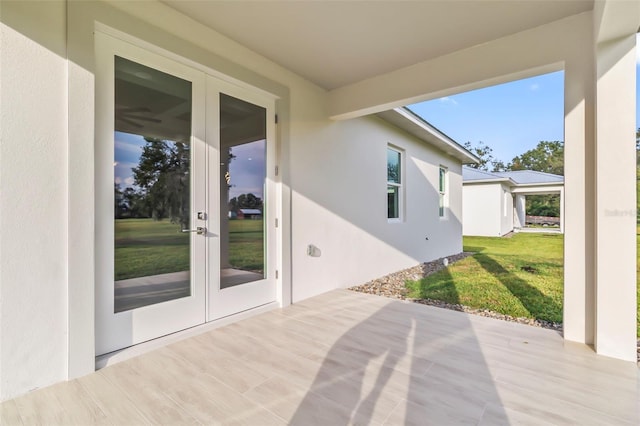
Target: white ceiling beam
pixel 525 54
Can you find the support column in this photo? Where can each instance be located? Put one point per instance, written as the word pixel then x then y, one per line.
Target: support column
pixel 615 192
pixel 521 210
pixel 578 306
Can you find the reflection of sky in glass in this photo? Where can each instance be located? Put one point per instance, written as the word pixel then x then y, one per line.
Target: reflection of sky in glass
pixel 128 148
pixel 248 169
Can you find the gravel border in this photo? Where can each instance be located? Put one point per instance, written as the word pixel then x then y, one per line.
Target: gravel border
pixel 393 286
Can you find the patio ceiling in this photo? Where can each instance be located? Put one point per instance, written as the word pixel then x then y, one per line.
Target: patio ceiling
pixel 334 44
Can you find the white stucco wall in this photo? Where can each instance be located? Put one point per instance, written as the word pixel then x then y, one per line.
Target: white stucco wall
pixel 482 209
pixel 339 205
pixel 33 196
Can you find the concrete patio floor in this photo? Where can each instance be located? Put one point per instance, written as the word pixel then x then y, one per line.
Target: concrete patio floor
pixel 350 358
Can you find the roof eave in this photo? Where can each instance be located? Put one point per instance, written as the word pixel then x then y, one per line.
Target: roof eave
pixel 405 119
pixel 497 180
pixel 541 184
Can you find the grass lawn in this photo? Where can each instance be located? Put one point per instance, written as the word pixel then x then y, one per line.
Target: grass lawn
pixel 246 245
pixel 520 276
pixel 147 247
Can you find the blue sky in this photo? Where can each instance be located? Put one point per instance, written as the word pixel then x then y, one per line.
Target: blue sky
pixel 511 118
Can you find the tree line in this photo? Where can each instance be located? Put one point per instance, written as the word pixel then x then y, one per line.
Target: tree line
pixel 547 156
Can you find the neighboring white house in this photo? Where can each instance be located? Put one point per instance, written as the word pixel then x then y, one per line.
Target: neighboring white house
pixel 316 90
pixel 494 203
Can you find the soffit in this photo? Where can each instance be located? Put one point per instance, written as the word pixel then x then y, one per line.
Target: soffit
pixel 334 44
pixel 408 121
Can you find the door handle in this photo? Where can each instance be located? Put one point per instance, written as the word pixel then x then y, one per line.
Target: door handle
pixel 200 230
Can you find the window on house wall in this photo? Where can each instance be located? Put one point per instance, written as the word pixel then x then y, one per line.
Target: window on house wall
pixel 394 183
pixel 442 191
pixel 504 202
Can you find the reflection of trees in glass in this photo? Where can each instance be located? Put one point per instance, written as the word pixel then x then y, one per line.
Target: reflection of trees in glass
pixel 393 172
pixel 130 203
pixel 162 180
pixel 245 201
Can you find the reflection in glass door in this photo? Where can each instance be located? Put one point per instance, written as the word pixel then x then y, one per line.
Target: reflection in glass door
pixel 152 152
pixel 243 273
pixel 243 157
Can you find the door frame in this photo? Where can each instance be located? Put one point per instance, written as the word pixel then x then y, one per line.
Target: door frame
pixel 104 242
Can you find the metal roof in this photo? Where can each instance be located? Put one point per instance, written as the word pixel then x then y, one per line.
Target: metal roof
pixel 530 177
pixel 470 174
pixel 519 177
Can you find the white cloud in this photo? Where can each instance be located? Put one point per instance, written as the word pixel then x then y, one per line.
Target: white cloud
pixel 448 100
pixel 126 146
pixel 534 87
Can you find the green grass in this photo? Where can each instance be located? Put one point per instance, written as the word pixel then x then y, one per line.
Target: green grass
pixel 246 245
pixel 519 276
pixel 638 278
pixel 147 247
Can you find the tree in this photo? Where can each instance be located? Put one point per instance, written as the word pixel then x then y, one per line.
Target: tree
pixel 245 201
pixel 136 204
pixel 543 205
pixel 485 154
pixel 163 178
pixel 547 156
pixel 120 206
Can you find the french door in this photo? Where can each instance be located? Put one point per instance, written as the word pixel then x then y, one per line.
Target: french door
pixel 185 203
pixel 242 273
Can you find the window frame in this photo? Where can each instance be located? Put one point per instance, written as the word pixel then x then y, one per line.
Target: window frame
pixel 443 191
pixel 505 209
pixel 398 185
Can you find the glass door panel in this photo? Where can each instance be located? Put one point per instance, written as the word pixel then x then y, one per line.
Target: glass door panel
pixel 243 256
pixel 242 188
pixel 152 190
